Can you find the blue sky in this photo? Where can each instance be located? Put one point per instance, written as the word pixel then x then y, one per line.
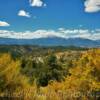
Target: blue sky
pixel 34 15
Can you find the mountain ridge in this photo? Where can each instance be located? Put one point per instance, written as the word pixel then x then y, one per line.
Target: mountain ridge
pixel 51 41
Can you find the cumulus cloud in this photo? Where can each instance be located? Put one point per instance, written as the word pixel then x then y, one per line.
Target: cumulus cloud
pixel 92 6
pixel 63 33
pixel 36 3
pixel 24 13
pixel 3 23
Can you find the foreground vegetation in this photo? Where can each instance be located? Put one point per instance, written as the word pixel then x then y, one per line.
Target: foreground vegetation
pixel 50 74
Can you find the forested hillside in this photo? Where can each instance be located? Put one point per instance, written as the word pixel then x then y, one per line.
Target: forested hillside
pixel 55 74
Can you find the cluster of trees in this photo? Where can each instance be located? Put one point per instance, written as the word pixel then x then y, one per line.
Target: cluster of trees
pixel 50 78
pixel 43 71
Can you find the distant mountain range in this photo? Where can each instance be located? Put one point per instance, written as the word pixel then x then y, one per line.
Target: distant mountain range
pixel 51 41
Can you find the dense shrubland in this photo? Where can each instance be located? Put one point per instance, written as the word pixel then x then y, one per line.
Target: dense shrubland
pixel 67 75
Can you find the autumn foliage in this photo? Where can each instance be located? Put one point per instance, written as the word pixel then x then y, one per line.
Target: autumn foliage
pixel 70 76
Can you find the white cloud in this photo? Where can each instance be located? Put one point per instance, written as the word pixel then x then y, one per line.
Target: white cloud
pixel 92 6
pixel 63 33
pixel 36 3
pixel 24 13
pixel 3 23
